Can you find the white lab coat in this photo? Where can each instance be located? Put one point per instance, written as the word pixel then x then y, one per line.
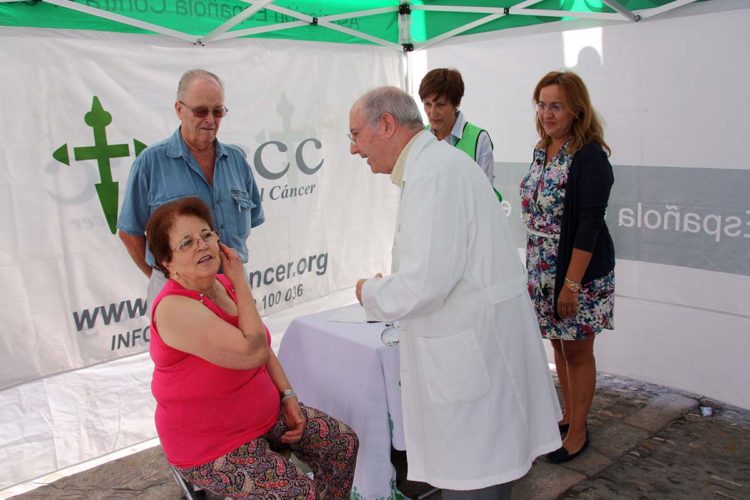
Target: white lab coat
pixel 478 400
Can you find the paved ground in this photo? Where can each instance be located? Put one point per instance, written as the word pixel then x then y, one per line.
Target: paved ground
pixel 647 442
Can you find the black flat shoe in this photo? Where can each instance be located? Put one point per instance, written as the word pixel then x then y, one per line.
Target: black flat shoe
pixel 561 455
pixel 563 428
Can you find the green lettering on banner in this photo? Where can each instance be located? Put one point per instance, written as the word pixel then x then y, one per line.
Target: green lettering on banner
pixel 196 17
pixel 199 9
pixel 155 10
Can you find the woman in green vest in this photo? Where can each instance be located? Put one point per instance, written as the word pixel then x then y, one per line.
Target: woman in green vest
pixel 441 91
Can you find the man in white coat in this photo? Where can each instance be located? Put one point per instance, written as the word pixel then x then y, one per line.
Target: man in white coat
pixel 478 399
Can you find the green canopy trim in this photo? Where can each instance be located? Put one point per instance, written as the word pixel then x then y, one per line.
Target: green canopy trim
pixel 399 25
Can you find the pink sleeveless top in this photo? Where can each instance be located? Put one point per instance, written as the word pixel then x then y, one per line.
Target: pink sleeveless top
pixel 204 411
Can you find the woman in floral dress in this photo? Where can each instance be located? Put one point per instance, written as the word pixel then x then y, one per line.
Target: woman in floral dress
pixel 569 252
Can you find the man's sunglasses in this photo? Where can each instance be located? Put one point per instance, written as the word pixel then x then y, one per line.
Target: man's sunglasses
pixel 202 111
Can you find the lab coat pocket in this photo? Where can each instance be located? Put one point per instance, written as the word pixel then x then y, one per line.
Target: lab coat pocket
pixel 454 368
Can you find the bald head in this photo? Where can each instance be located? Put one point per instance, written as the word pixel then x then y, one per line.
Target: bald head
pixel 192 75
pixel 381 124
pixel 393 101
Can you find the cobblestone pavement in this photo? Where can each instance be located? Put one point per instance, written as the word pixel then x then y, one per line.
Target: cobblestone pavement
pixel 647 442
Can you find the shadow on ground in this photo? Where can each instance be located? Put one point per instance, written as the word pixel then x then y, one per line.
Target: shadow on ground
pixel 647 441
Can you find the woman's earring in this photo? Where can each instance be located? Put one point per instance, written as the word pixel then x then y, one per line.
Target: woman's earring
pixel 175 276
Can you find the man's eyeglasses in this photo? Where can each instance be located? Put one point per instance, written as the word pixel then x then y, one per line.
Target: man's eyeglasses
pixel 189 243
pixel 353 137
pixel 202 111
pixel 554 107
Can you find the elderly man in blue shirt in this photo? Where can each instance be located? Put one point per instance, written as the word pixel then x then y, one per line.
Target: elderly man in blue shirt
pixel 192 162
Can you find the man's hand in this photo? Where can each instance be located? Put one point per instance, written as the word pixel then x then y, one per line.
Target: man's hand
pixel 360 284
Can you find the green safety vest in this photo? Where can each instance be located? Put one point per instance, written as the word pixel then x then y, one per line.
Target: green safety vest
pixel 468 144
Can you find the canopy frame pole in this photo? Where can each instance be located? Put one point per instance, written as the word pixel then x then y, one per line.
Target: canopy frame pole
pixel 523 5
pixel 325 22
pixel 404 27
pixel 306 20
pixel 456 31
pixel 250 10
pixel 614 4
pixel 602 16
pixel 496 13
pixel 124 20
pixel 359 34
pixel 259 30
pixel 223 31
pixel 655 11
pixel 359 13
pixel 521 10
pixel 458 8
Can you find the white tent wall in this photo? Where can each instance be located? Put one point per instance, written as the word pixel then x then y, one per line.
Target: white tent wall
pixel 289 104
pixel 672 92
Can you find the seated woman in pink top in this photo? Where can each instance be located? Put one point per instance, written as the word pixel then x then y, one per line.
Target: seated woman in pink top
pixel 224 405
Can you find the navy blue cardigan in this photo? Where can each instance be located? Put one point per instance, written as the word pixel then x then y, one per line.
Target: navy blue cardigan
pixel 590 180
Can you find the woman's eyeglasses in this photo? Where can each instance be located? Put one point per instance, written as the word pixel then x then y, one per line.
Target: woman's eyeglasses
pixel 189 243
pixel 554 107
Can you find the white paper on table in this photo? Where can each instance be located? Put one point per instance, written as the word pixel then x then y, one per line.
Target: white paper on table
pixel 351 314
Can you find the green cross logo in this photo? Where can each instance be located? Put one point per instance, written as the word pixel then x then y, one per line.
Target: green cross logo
pixel 102 152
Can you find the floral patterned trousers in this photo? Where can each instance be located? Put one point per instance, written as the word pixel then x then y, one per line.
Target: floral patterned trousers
pixel 256 469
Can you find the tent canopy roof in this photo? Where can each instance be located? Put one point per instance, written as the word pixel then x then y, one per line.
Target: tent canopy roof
pixel 401 25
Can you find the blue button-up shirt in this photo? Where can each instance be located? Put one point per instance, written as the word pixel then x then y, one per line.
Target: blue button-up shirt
pixel 167 171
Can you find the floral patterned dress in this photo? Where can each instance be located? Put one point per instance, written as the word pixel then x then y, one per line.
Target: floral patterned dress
pixel 542 203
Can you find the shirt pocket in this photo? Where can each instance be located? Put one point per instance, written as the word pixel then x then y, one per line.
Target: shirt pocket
pixel 453 368
pixel 243 206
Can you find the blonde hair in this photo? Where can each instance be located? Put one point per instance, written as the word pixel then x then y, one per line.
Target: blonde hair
pixel 587 124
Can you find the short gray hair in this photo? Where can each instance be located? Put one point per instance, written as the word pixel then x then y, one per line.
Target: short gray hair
pixel 394 101
pixel 192 75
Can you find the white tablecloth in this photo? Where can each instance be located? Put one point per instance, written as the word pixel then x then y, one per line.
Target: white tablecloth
pixel 345 370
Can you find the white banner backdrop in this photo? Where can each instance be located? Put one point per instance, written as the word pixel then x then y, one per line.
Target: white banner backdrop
pixel 679 210
pixel 71 295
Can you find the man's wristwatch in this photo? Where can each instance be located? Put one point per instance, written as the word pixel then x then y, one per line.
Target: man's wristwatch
pixel 572 285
